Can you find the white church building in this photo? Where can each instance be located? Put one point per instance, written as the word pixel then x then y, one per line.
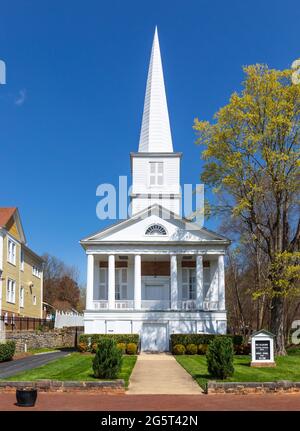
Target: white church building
pixel 155 273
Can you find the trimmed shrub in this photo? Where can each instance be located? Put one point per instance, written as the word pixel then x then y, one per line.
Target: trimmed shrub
pixel 202 349
pixel 191 349
pixel 108 360
pixel 219 358
pixel 82 347
pixel 89 342
pixel 131 349
pixel 197 339
pixel 178 349
pixel 122 347
pixel 7 350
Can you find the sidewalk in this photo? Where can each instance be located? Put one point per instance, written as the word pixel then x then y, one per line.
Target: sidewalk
pixel 161 374
pixel 95 402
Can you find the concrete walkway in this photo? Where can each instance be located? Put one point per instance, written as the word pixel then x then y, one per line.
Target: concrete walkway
pixel 10 368
pixel 161 374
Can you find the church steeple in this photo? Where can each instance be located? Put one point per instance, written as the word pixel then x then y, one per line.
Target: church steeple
pixel 155 131
pixel 155 167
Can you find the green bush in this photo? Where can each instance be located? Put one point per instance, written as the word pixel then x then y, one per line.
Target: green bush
pixel 197 339
pixel 7 350
pixel 219 358
pixel 89 343
pixel 202 349
pixel 131 349
pixel 122 347
pixel 178 349
pixel 191 349
pixel 108 360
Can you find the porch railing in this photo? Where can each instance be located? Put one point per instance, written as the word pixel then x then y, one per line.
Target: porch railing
pixel 187 305
pixel 100 305
pixel 124 304
pixel 210 305
pixel 156 304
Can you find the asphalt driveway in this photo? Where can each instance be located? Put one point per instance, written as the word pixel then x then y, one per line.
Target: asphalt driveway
pixel 10 368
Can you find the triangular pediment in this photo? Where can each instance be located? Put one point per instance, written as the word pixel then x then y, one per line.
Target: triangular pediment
pixel 172 229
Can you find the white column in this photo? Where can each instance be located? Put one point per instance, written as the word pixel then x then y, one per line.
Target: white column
pixel 199 283
pixel 221 279
pixel 174 282
pixel 137 282
pixel 111 282
pixel 90 282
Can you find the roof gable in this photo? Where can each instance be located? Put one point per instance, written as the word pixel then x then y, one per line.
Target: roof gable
pixel 11 222
pixel 134 229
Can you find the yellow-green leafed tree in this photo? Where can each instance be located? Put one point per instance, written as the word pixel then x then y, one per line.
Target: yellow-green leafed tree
pixel 251 154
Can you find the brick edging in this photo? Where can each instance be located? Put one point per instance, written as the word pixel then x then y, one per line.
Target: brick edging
pixel 252 387
pixel 107 387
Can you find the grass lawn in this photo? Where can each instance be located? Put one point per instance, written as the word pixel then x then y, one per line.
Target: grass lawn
pixel 75 366
pixel 288 368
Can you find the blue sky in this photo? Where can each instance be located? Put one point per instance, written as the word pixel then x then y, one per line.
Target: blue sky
pixel 71 110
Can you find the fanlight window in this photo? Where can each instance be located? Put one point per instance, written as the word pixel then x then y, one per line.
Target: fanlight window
pixel 156 229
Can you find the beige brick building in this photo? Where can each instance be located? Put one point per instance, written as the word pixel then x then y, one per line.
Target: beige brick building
pixel 21 270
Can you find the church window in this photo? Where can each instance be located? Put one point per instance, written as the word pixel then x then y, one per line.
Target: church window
pixel 156 173
pixel 156 229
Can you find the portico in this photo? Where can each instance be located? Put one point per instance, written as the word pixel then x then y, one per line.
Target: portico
pixel 147 282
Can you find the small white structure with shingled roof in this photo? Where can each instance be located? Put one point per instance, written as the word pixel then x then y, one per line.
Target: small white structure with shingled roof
pixel 155 273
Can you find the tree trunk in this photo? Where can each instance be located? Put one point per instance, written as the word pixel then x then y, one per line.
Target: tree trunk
pixel 277 324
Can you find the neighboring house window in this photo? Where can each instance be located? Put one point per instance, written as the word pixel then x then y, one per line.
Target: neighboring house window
pixel 22 297
pixel 156 229
pixel 121 283
pixel 34 300
pixel 188 283
pixel 103 284
pixel 11 291
pixel 11 251
pixel 36 271
pixel 22 260
pixel 156 173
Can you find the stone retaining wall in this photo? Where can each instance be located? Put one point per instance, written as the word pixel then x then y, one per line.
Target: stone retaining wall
pixel 107 387
pixel 65 337
pixel 244 388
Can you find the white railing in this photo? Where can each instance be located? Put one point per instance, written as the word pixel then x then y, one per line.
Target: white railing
pixel 124 304
pixel 187 305
pixel 210 305
pixel 100 305
pixel 155 304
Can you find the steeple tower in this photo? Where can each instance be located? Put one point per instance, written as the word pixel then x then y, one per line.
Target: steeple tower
pixel 155 132
pixel 155 167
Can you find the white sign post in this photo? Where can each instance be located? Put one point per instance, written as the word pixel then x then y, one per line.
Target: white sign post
pixel 262 349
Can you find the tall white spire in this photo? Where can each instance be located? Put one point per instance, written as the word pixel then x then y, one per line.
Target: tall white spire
pixel 155 132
